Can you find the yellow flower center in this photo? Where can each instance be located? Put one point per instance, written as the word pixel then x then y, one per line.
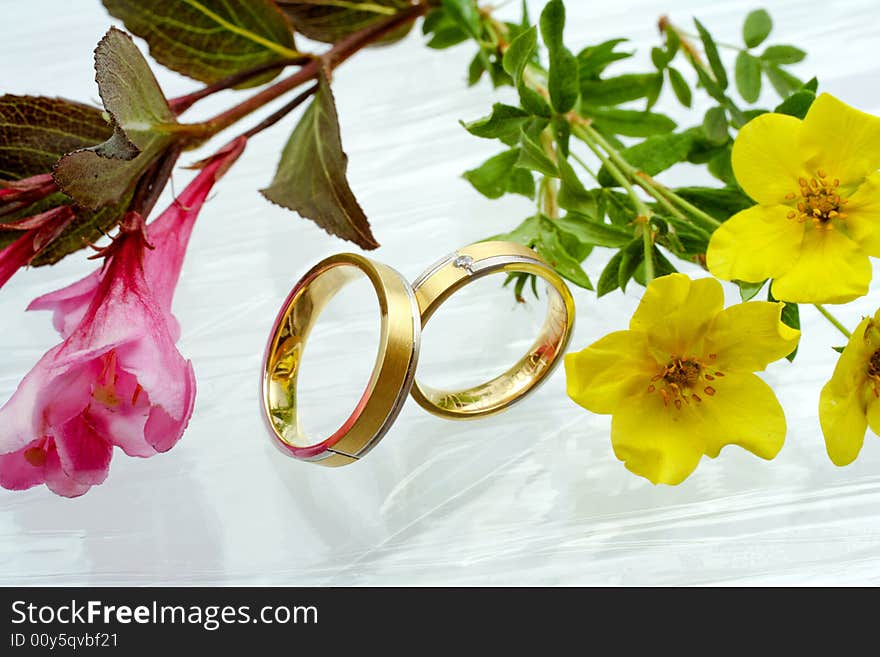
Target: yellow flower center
pixel 681 379
pixel 819 200
pixel 874 371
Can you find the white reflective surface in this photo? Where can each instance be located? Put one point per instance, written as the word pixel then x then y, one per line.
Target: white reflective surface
pixel 534 496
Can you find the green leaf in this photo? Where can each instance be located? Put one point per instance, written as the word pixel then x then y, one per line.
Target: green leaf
pixel 527 233
pixel 562 80
pixel 330 21
pixel 712 55
pixel 452 35
pixel 653 155
pixel 719 203
pixel 798 104
pixel 561 134
pixel 632 256
pixel 103 174
pixel 595 233
pixel 498 176
pixel 748 291
pixel 209 40
pixel 783 55
pixel 721 167
pixel 631 123
pixel 660 58
pixel 790 317
pixel 748 76
pixel 311 176
pixel 551 248
pixel 572 193
pixel 673 42
pixel 784 82
pixel 715 125
pixel 756 27
pixel 464 13
pixel 532 155
pixel 504 123
pixel 34 133
pixel 609 279
pixel 680 87
pixel 593 60
pixel 516 58
pixel 839 349
pixel 616 90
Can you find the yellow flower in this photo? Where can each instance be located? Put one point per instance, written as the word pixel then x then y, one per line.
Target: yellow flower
pixel 818 213
pixel 679 384
pixel 850 401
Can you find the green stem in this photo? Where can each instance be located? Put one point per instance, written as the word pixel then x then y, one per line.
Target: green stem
pixel 586 167
pixel 648 245
pixel 834 321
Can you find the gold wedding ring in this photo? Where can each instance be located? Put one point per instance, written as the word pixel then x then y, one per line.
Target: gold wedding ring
pixel 389 382
pixel 404 309
pixel 465 266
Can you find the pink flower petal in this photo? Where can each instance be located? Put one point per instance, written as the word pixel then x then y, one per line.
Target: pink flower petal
pixel 162 430
pixel 58 481
pixel 18 472
pixel 84 455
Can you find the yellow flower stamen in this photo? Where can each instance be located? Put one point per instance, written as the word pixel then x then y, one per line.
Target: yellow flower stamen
pixel 874 371
pixel 820 200
pixel 681 378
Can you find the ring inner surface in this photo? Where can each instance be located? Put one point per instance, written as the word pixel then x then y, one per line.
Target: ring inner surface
pixel 501 391
pixel 286 355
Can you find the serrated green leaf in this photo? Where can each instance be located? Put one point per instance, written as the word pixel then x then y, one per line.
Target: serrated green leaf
pixel 617 90
pixel 631 123
pixel 593 232
pixel 551 248
pixel 748 76
pixel 330 21
pixel 783 82
pixel 209 40
pixel 103 174
pixel 504 123
pixel 632 256
pixel 532 156
pixel 680 87
pixel 498 176
pixel 608 280
pixel 783 55
pixel 311 176
pixel 593 60
pixel 34 133
pixel 756 27
pixel 798 104
pixel 653 155
pixel 715 125
pixel 748 291
pixel 712 55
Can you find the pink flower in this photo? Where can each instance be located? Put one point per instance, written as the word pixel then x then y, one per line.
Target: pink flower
pixel 117 379
pixel 36 232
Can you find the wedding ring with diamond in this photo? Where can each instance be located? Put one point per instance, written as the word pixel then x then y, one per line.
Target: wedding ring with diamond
pixel 463 267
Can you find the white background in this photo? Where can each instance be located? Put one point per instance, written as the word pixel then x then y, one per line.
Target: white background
pixel 534 496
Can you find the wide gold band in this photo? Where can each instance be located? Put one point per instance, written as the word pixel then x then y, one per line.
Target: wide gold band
pixel 465 266
pixel 391 377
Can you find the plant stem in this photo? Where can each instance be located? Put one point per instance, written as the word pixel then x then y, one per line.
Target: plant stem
pixel 279 114
pixel 548 189
pixel 340 52
pixel 834 321
pixel 182 103
pixel 613 169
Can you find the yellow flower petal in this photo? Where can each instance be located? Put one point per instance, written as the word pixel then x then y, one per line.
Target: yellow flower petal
pixel 749 336
pixel 841 140
pixel 863 215
pixel 843 424
pixel 873 415
pixel 755 244
pixel 851 369
pixel 745 412
pixel 655 441
pixel 766 158
pixel 676 311
pixel 609 371
pixel 831 269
